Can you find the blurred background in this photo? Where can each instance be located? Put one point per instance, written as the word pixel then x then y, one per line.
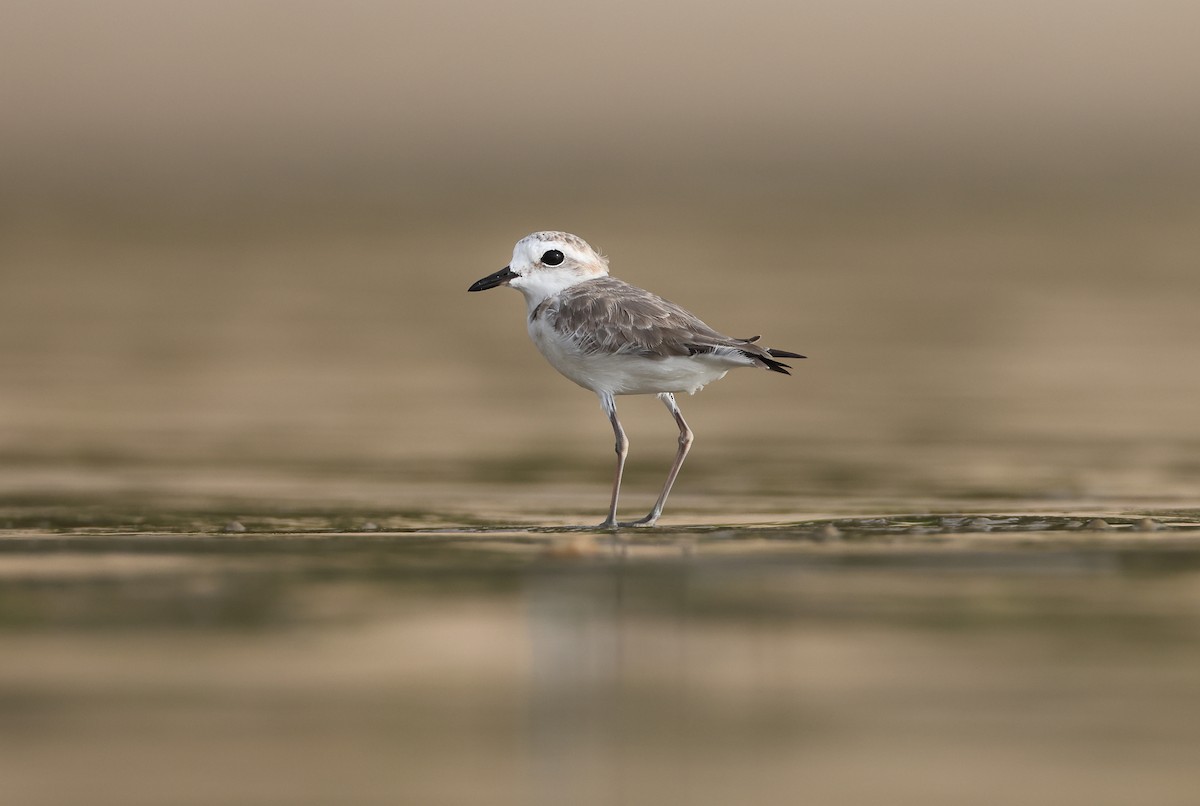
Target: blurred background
pixel 235 243
pixel 240 234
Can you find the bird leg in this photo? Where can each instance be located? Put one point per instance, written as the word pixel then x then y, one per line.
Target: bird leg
pixel 610 408
pixel 685 444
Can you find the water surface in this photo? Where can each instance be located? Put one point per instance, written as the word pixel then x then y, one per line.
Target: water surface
pixel 357 654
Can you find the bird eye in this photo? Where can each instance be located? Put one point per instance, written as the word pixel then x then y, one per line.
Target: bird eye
pixel 552 258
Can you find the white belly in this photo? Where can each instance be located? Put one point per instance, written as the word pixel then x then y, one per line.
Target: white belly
pixel 625 374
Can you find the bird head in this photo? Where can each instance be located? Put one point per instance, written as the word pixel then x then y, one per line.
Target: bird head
pixel 545 263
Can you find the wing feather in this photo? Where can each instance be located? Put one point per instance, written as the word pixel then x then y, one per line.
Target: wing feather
pixel 610 316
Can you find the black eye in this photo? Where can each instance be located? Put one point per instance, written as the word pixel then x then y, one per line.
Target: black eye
pixel 552 257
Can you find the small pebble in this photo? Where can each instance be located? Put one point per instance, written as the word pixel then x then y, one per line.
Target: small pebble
pixel 828 532
pixel 1147 525
pixel 370 526
pixel 1098 523
pixel 234 526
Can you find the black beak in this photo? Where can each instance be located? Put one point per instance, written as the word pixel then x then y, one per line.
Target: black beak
pixel 492 280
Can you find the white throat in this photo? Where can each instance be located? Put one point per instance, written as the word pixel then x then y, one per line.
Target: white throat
pixel 537 286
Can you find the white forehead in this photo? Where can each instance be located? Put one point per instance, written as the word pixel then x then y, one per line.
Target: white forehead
pixel 533 246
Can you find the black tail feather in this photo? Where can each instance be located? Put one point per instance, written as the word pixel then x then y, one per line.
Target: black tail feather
pixel 775 366
pixel 784 354
pixel 767 357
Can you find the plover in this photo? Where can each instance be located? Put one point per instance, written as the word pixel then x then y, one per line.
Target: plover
pixel 617 339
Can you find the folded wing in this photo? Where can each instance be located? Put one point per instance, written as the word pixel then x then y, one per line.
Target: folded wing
pixel 610 316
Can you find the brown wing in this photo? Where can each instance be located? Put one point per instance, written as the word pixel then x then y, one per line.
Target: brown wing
pixel 607 315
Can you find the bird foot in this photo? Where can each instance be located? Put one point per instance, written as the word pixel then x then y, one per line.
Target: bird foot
pixel 647 521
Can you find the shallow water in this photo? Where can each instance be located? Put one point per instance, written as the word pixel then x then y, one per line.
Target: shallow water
pixel 356 653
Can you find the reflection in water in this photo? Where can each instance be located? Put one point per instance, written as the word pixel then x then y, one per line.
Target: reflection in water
pixel 521 667
pixel 575 624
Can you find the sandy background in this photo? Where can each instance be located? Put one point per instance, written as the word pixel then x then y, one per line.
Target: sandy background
pixel 241 234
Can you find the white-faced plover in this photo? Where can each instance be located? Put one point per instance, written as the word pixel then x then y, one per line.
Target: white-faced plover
pixel 617 339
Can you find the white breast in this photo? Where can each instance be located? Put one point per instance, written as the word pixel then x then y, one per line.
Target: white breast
pixel 622 373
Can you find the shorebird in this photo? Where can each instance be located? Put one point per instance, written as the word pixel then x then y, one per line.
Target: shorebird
pixel 617 339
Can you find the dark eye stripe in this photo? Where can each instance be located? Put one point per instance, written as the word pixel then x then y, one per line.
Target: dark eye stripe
pixel 552 257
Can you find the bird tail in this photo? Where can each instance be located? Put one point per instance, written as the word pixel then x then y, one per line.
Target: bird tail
pixel 767 357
